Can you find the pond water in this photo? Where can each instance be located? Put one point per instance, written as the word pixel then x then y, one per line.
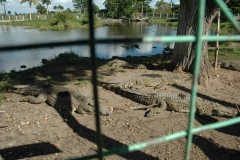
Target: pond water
pixel 18 35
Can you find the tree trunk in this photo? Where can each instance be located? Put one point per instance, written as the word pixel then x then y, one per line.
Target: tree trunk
pixel 184 53
pixel 30 13
pixel 4 10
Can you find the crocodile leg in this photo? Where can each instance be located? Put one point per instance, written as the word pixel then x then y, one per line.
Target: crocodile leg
pixel 162 106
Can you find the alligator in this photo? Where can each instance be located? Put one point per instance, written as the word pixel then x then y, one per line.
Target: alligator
pixel 177 102
pixel 63 99
pixel 138 82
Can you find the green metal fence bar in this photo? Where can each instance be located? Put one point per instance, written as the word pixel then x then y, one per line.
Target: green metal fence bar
pixel 199 42
pixel 200 20
pixel 94 80
pixel 199 39
pixel 163 39
pixel 163 139
pixel 221 38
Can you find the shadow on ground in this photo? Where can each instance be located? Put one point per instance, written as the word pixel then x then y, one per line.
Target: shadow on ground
pixel 27 151
pixel 224 103
pixel 213 151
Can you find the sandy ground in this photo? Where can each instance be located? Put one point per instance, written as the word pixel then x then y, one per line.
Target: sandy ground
pixel 38 131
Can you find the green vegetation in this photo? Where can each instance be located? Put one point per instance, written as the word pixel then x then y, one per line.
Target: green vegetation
pixel 225 53
pixel 82 82
pixel 228 51
pixel 234 5
pixel 31 2
pixel 171 21
pixel 54 71
pixel 121 9
pixel 226 28
pixel 2 95
pixel 58 69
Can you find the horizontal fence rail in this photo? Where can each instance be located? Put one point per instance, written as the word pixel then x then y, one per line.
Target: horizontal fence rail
pixel 162 39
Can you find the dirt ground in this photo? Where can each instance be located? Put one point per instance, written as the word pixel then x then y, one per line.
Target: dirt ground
pixel 38 131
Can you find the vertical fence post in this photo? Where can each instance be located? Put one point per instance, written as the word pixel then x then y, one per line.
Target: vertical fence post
pixel 94 78
pixel 217 43
pixel 199 41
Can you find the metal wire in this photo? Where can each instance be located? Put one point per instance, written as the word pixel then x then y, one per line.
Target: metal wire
pixel 200 18
pixel 163 139
pixel 162 39
pixel 94 79
pixel 199 39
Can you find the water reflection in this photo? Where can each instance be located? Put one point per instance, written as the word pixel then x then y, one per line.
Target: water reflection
pixel 15 35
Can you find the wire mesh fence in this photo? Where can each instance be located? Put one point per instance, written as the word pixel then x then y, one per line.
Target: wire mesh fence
pixel 198 38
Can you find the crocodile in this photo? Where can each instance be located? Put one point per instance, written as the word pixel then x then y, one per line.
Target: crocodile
pixel 63 99
pixel 138 82
pixel 120 63
pixel 177 102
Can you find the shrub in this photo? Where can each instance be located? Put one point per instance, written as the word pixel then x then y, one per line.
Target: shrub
pixel 63 17
pixel 67 56
pixel 54 22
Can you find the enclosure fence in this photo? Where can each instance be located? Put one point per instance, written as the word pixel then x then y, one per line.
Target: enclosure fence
pixel 198 39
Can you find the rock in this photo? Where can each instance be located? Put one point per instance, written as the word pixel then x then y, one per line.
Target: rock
pixel 3 116
pixel 230 65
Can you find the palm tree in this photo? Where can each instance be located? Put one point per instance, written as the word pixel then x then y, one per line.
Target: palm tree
pixel 55 8
pixel 3 6
pixel 60 7
pixel 48 2
pixel 35 2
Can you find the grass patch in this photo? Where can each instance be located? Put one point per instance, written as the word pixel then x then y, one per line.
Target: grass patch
pixel 99 76
pixel 122 70
pixel 225 54
pixel 2 96
pixel 226 28
pixel 83 82
pixel 60 83
pixel 171 21
pixel 112 69
pixel 58 70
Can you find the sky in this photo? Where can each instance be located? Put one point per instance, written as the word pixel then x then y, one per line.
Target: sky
pixel 15 6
